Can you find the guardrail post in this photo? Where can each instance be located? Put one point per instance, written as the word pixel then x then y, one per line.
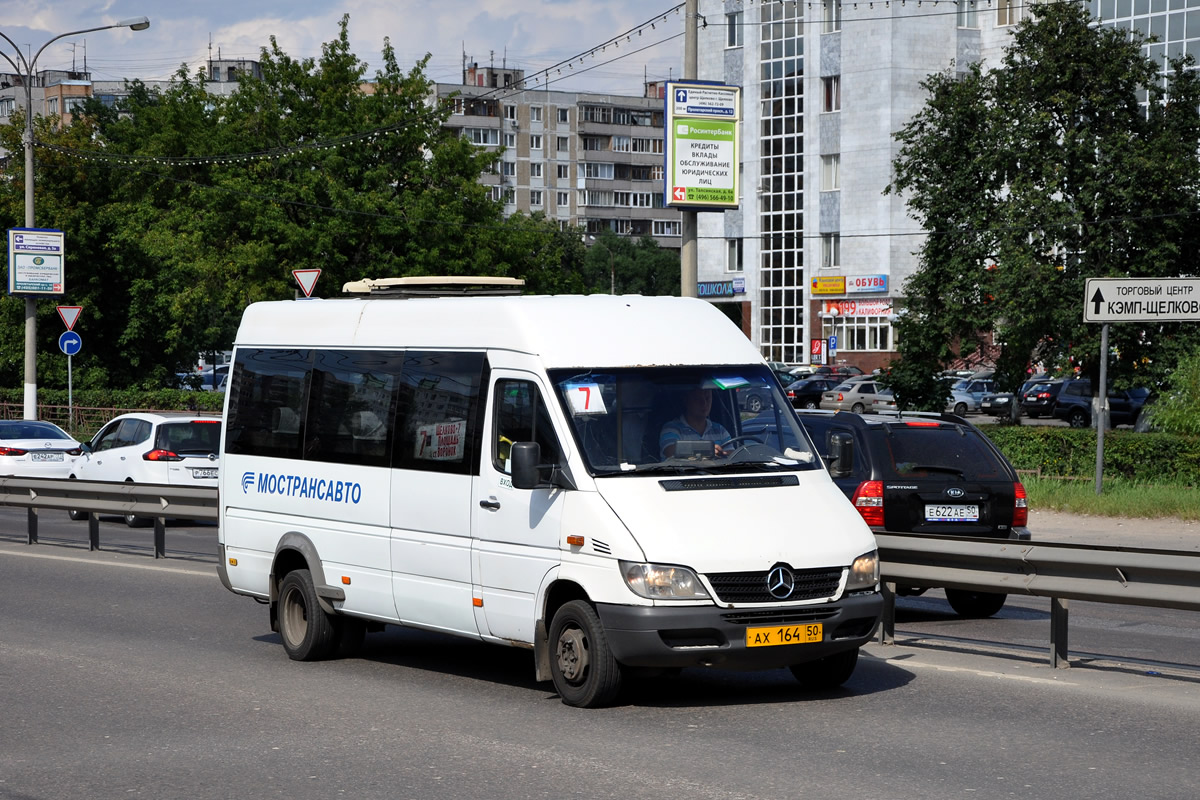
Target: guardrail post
pixel 93 531
pixel 160 537
pixel 1059 612
pixel 33 521
pixel 887 622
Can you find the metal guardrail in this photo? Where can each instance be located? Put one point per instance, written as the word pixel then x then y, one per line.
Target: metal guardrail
pixel 158 501
pixel 1059 571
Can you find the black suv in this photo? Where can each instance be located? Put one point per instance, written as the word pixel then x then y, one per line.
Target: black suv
pixel 924 473
pixel 1038 400
pixel 1074 404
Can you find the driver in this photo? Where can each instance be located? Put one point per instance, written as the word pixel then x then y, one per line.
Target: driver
pixel 693 424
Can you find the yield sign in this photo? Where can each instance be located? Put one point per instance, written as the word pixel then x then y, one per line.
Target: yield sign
pixel 69 315
pixel 307 278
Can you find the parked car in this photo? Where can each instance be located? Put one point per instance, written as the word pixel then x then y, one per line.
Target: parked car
pixel 999 404
pixel 1074 404
pixel 177 449
pixel 836 371
pixel 35 449
pixel 806 393
pixel 924 473
pixel 852 395
pixel 885 400
pixel 966 395
pixel 751 398
pixel 1038 400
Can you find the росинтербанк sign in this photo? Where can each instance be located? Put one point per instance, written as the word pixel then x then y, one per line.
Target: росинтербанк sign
pixel 1141 300
pixel 703 124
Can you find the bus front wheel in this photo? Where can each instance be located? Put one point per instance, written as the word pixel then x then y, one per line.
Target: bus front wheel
pixel 582 666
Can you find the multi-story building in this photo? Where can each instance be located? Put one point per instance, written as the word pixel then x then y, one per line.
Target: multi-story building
pixel 581 159
pixel 822 250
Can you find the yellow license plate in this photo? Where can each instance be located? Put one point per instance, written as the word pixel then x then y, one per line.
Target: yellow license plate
pixel 783 634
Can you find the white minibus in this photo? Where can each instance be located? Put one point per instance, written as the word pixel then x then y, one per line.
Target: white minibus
pixel 579 476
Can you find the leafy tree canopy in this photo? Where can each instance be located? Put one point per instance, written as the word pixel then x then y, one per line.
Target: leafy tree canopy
pixel 1073 158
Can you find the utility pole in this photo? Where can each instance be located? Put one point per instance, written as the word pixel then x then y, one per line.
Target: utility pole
pixel 688 254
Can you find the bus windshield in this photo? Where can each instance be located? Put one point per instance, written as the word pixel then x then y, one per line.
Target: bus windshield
pixel 682 419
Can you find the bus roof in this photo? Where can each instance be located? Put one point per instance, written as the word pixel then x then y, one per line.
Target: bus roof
pixel 563 330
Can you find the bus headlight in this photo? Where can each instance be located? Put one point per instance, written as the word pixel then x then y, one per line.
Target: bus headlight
pixel 662 581
pixel 864 572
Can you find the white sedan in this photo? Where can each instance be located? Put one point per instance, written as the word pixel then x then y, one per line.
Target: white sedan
pixel 35 449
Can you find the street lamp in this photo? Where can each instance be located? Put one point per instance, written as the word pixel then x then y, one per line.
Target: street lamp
pixel 612 269
pixel 25 69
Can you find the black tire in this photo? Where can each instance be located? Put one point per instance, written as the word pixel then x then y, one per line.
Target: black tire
pixel 1078 419
pixel 77 515
pixel 754 404
pixel 960 409
pixel 829 672
pixel 858 408
pixel 134 521
pixel 975 605
pixel 811 404
pixel 308 633
pixel 582 666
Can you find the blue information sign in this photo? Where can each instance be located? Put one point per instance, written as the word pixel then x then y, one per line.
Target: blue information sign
pixel 70 343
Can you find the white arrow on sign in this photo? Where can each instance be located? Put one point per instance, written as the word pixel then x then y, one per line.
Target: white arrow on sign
pixel 307 278
pixel 69 315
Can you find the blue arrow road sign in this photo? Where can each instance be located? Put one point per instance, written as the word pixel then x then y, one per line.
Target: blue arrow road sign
pixel 70 343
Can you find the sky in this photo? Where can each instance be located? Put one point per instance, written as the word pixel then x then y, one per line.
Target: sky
pixel 533 35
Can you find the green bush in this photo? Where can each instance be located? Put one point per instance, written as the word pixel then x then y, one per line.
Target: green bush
pixel 1071 452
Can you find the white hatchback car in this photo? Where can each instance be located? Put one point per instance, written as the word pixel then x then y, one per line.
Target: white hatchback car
pixel 177 449
pixel 35 449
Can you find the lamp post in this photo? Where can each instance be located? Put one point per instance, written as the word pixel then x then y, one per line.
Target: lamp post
pixel 612 269
pixel 26 69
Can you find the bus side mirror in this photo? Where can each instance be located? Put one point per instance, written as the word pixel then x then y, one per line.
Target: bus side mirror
pixel 525 457
pixel 841 455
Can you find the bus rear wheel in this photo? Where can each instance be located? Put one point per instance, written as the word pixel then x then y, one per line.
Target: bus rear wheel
pixel 307 631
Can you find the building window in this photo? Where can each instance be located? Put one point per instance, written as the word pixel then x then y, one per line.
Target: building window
pixel 510 112
pixel 535 113
pixel 666 227
pixel 564 171
pixel 598 114
pixel 621 199
pixel 622 144
pixel 968 15
pixel 598 170
pixel 482 136
pixel 831 16
pixel 642 200
pixel 535 197
pixel 648 146
pixel 53 105
pixel 595 143
pixel 562 143
pixel 830 172
pixel 562 116
pixel 831 93
pixel 733 256
pixel 1008 12
pixel 510 140
pixel 831 250
pixel 535 170
pixel 564 199
pixel 508 169
pixel 736 37
pixel 535 141
pixel 861 333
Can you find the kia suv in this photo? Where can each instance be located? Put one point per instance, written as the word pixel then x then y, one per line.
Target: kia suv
pixel 925 473
pixel 177 449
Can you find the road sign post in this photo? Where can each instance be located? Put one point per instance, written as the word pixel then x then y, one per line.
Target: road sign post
pixel 1108 300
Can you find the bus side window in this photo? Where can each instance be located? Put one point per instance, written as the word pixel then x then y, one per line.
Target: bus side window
pixel 521 416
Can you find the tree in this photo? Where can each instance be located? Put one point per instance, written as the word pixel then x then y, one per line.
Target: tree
pixel 1074 158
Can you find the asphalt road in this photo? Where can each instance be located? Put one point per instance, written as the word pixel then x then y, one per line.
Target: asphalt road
pixel 126 676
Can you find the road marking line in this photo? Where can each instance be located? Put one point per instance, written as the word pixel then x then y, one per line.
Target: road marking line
pixel 76 560
pixel 988 673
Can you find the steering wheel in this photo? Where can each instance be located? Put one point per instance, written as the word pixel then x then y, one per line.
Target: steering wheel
pixel 755 439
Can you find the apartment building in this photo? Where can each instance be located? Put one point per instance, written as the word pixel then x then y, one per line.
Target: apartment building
pixel 821 251
pixel 581 159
